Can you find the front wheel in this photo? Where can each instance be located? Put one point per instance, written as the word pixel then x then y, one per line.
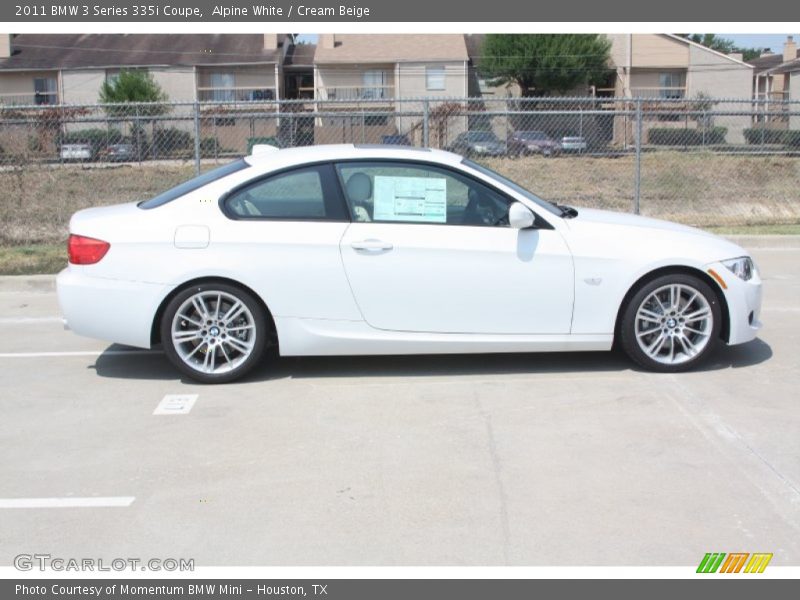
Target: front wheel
pixel 671 323
pixel 214 333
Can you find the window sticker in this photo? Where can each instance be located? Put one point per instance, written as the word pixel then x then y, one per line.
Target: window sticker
pixel 415 199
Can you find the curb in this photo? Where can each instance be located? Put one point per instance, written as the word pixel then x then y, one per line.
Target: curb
pixel 30 284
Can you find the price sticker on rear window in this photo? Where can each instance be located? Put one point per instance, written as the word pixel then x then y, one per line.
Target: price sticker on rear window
pixel 412 199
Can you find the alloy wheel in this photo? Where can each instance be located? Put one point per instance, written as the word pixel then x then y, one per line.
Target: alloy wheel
pixel 213 332
pixel 674 324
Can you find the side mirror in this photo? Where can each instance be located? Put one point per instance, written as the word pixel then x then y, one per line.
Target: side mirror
pixel 520 216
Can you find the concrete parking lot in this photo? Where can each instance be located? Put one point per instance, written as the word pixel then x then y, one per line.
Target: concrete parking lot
pixel 551 459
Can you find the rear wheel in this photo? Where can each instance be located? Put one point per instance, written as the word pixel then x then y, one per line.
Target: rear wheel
pixel 214 333
pixel 671 323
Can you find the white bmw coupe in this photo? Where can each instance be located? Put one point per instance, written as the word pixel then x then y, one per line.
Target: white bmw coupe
pixel 344 250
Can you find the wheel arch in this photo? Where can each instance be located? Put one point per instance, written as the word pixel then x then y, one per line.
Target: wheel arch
pixel 155 327
pixel 677 269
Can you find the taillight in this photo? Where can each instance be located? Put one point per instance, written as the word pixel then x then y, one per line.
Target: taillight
pixel 85 250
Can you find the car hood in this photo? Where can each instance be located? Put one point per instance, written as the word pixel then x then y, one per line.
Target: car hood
pixel 626 232
pixel 594 215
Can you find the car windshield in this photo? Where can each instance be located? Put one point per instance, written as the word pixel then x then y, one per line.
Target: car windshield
pixel 548 206
pixel 194 184
pixel 482 136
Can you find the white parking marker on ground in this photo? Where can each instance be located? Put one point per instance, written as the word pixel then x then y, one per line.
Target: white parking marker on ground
pixel 175 404
pixel 29 320
pixel 89 502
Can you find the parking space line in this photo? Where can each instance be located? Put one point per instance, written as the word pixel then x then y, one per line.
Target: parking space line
pixel 88 502
pixel 29 320
pixel 77 353
pixel 175 404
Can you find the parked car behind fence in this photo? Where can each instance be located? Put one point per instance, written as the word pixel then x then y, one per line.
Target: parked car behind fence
pixel 532 142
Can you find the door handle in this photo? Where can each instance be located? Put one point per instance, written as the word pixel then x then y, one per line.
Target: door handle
pixel 371 246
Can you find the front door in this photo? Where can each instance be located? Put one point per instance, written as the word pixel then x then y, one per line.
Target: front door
pixel 430 250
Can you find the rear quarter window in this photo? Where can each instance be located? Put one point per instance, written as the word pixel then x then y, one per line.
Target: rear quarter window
pixel 299 194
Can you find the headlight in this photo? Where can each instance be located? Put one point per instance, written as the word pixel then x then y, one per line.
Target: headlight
pixel 743 267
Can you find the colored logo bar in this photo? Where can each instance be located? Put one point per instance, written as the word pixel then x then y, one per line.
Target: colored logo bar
pixel 734 562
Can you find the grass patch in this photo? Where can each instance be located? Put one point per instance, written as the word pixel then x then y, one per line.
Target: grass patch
pixel 780 229
pixel 31 260
pixel 38 202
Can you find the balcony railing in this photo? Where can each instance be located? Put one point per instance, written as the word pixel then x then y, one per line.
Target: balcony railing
pixel 663 93
pixel 774 95
pixel 38 98
pixel 369 92
pixel 235 94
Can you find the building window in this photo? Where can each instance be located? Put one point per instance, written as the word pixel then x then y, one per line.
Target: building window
pixel 484 87
pixel 376 121
pixel 374 84
pixel 44 90
pixel 671 85
pixel 222 85
pixel 434 78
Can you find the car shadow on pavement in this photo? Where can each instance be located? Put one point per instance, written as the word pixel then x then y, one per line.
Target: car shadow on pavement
pixel 155 366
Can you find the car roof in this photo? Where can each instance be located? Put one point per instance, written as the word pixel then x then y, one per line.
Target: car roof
pixel 287 157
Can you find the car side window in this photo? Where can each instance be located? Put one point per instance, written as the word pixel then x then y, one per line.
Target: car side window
pixel 293 195
pixel 405 192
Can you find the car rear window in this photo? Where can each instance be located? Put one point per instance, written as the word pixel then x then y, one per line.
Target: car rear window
pixel 194 184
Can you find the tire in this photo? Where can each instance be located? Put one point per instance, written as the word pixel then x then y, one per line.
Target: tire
pixel 671 323
pixel 225 344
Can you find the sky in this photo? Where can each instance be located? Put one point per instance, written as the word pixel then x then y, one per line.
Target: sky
pixel 774 41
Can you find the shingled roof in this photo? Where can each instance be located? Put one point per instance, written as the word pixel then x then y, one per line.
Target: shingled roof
pixel 767 62
pixel 300 55
pixel 84 51
pixel 788 67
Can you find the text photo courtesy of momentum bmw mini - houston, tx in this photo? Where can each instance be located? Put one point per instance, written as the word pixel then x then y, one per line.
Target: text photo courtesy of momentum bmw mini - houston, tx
pixel 361 300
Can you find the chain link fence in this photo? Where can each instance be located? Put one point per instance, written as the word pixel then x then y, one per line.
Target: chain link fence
pixel 703 161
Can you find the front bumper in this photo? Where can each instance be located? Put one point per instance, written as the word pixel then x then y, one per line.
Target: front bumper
pixel 108 309
pixel 744 304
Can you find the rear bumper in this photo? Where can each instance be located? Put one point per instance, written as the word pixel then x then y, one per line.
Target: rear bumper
pixel 744 305
pixel 109 309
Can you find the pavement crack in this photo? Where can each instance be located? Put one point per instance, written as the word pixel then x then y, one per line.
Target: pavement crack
pixel 497 468
pixel 720 433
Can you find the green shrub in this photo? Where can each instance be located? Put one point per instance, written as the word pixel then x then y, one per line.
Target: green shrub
pixel 667 136
pixel 171 139
pixel 762 135
pixel 209 146
pixel 792 138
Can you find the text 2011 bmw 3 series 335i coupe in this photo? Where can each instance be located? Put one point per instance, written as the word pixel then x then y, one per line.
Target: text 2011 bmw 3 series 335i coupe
pixel 359 250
